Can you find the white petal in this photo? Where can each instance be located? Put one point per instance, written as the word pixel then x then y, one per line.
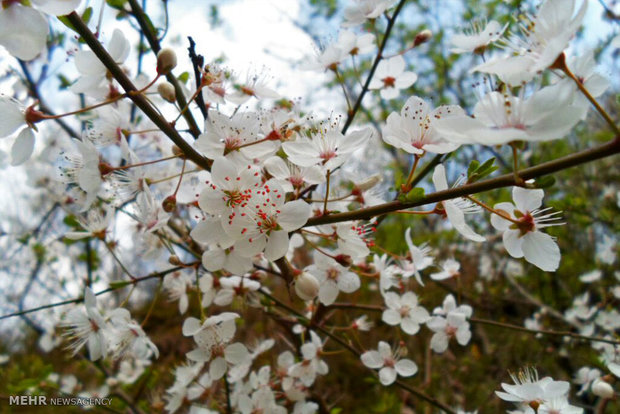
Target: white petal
pixel 372 359
pixel 277 245
pixel 56 7
pixel 191 326
pixel 513 243
pixel 391 317
pixel 23 31
pixel 387 375
pixel 527 199
pixel 217 368
pixel 22 147
pixel 457 218
pixel 12 117
pixel 439 178
pixel 541 250
pixel 406 368
pixel 236 353
pixel 294 214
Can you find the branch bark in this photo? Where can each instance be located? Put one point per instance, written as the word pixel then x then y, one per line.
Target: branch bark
pixel 606 150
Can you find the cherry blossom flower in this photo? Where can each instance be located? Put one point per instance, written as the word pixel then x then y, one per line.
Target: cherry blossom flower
pixel 404 311
pixel 500 118
pixel 522 236
pixel 234 286
pixel 545 37
pixel 559 405
pixel 129 338
pixel 225 356
pixel 353 44
pixel 332 277
pixel 312 365
pixel 82 169
pixel 389 364
pixel 478 37
pixel 88 326
pixel 362 10
pixel 216 331
pixel 264 223
pixel 456 209
pixel 233 137
pixel 413 130
pixel 584 377
pixel 449 268
pixel 390 77
pixel 584 68
pixel 95 224
pixel 352 239
pixel 529 388
pixel 328 59
pixel 93 72
pixel 229 187
pixel 328 147
pixel 254 86
pixel 176 284
pixel 419 258
pixel 447 322
pixel 290 176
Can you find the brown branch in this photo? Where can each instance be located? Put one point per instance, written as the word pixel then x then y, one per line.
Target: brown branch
pixel 386 36
pixel 582 157
pixel 139 99
pixel 146 28
pixel 544 331
pixel 81 298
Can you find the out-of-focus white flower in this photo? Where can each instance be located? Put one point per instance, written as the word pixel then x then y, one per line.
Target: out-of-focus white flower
pixel 362 10
pixel 88 326
pixel 478 37
pixel 546 35
pixel 404 311
pixel 389 364
pixel 447 322
pixel 390 77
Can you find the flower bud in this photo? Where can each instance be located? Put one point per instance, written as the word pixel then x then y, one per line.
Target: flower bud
pixel 174 260
pixel 167 92
pixel 344 260
pixel 306 286
pixel 166 61
pixel 422 37
pixel 602 389
pixel 169 204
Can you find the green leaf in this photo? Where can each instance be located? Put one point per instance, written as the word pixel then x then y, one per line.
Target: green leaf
pixel 183 77
pixel 88 13
pixel 544 182
pixel 117 4
pixel 65 20
pixel 473 166
pixel 476 172
pixel 117 284
pixel 415 194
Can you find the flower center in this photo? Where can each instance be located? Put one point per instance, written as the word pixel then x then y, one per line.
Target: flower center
pixel 388 81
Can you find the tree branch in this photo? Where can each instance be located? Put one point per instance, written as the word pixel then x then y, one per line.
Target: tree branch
pixel 146 26
pixel 606 150
pixel 138 99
